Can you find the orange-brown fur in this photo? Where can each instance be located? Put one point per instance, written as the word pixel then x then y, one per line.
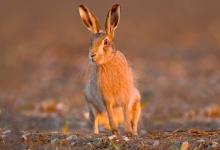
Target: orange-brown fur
pixel 111 94
pixel 104 121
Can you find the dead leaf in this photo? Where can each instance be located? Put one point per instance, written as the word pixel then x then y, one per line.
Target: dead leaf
pixel 185 146
pixel 212 111
pixel 25 136
pixel 66 128
pixel 48 106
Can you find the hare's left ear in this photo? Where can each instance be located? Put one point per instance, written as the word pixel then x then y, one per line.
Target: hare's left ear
pixel 112 19
pixel 89 19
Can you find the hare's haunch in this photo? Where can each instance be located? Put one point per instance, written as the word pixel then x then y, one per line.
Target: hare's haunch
pixel 110 92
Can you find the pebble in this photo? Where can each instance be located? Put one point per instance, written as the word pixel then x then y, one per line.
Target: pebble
pixel 125 138
pixel 201 141
pixel 53 141
pixel 71 137
pixel 6 132
pixel 156 142
pixel 214 144
pixel 112 137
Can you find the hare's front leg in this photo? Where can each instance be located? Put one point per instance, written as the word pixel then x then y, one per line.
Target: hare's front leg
pixel 93 115
pixel 96 125
pixel 136 112
pixel 113 123
pixel 127 120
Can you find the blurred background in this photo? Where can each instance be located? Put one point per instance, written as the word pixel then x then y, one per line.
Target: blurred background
pixel 173 47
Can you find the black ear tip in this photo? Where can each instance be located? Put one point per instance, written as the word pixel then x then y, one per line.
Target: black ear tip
pixel 116 5
pixel 82 6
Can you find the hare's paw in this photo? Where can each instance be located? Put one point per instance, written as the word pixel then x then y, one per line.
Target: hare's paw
pixel 129 134
pixel 115 132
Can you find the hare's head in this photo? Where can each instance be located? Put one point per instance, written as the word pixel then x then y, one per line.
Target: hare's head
pixel 102 46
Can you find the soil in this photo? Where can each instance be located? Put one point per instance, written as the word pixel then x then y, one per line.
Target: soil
pixel 173 48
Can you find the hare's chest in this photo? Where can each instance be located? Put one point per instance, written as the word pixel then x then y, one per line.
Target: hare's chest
pixel 113 83
pixel 93 94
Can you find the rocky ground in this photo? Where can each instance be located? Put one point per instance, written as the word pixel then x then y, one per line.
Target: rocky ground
pixel 173 48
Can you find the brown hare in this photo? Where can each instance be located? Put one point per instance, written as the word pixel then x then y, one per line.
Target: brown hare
pixel 110 93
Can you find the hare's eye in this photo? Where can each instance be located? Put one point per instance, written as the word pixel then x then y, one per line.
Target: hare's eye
pixel 106 42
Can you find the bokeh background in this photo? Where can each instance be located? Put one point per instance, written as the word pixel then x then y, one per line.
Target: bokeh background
pixel 173 47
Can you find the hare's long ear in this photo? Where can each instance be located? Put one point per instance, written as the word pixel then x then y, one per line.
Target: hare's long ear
pixel 89 19
pixel 112 19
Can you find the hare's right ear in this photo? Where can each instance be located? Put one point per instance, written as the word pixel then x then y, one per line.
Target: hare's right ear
pixel 112 19
pixel 89 19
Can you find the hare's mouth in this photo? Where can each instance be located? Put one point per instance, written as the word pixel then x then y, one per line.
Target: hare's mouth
pixel 93 56
pixel 93 59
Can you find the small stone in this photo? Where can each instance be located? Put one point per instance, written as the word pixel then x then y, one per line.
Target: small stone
pixel 71 137
pixel 214 144
pixel 53 141
pixel 6 132
pixel 125 138
pixel 201 141
pixel 156 143
pixel 112 137
pixel 90 145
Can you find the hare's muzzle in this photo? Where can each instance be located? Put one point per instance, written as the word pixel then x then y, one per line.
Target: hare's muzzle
pixel 93 55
